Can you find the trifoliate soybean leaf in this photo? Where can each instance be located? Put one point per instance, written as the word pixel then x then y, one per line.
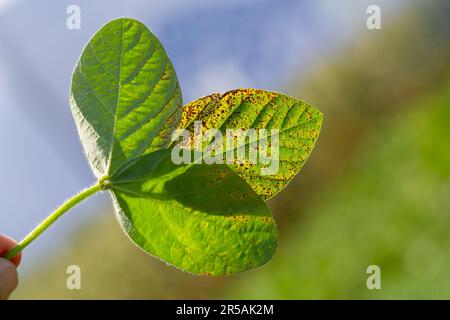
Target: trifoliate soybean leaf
pixel 125 95
pixel 297 125
pixel 201 218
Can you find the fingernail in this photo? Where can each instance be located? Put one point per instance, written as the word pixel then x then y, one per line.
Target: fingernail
pixel 8 278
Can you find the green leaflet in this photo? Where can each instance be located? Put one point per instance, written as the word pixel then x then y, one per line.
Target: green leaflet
pixel 125 95
pixel 201 218
pixel 299 126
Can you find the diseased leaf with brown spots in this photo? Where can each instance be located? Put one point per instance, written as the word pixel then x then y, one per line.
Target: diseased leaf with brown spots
pixel 298 123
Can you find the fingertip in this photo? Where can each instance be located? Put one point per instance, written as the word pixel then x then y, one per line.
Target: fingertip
pixel 9 278
pixel 7 243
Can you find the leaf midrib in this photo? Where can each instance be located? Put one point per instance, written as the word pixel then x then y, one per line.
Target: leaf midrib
pixel 270 135
pixel 113 136
pixel 170 203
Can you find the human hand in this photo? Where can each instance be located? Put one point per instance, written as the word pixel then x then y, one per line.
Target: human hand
pixel 8 272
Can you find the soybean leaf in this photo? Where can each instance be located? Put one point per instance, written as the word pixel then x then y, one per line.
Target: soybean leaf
pixel 298 125
pixel 201 218
pixel 125 95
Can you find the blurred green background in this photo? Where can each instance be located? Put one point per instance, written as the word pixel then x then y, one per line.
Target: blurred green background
pixel 376 190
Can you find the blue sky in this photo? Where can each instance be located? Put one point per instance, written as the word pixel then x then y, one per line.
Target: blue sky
pixel 214 45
